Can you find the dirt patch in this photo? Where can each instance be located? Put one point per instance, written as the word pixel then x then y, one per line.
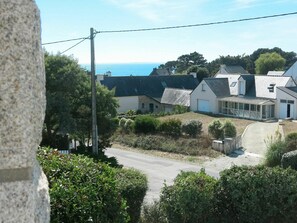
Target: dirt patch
pixel 289 126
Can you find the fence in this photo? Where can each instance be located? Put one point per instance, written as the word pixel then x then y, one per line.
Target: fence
pixel 228 145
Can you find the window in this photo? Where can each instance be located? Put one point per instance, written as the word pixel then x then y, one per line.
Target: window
pixel 283 101
pixel 240 106
pixel 164 84
pixel 253 107
pixel 142 105
pixel 290 102
pixel 233 84
pixel 203 87
pixel 246 107
pixel 271 88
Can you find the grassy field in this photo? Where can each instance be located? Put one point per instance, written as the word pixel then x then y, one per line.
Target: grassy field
pixel 289 126
pixel 240 124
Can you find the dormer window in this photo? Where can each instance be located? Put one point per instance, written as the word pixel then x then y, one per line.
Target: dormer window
pixel 241 88
pixel 271 88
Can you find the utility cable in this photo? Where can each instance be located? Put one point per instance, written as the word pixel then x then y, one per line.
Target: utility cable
pixel 74 45
pixel 67 40
pixel 196 25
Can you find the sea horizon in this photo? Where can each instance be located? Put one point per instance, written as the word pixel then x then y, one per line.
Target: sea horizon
pixel 124 69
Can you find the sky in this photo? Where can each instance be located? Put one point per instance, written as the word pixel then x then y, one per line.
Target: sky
pixel 68 19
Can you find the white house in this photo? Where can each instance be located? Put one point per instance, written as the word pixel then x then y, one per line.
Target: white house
pixel 252 97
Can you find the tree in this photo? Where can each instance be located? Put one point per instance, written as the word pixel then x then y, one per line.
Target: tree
pixel 186 60
pixel 269 62
pixel 68 109
pixel 201 72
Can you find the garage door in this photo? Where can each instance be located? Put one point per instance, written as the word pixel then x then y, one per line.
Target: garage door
pixel 203 105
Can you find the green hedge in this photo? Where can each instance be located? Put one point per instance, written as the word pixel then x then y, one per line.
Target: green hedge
pixel 257 194
pixel 192 128
pixel 81 189
pixel 133 186
pixel 289 160
pixel 170 127
pixel 190 198
pixel 145 124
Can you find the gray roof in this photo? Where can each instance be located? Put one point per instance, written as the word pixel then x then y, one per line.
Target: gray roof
pixel 160 72
pixel 224 69
pixel 152 86
pixel 248 100
pixel 219 86
pixel 290 91
pixel 292 71
pixel 173 96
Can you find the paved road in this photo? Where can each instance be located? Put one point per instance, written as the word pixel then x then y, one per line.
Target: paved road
pixel 160 169
pixel 157 169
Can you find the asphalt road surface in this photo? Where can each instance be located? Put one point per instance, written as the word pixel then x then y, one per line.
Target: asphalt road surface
pixel 157 169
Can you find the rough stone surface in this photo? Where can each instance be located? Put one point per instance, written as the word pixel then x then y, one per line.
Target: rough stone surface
pixel 23 186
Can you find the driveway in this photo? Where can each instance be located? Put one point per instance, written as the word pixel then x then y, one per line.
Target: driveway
pixel 160 170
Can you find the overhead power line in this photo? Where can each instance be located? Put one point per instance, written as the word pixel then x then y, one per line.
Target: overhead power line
pixel 199 24
pixel 67 40
pixel 74 45
pixel 167 28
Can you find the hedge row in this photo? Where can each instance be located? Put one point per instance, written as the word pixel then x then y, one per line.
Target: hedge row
pixel 83 190
pixel 171 127
pixel 242 194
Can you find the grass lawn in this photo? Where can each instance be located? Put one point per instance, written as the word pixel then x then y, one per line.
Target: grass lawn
pixel 289 126
pixel 240 124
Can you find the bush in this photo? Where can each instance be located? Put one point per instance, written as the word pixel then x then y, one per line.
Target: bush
pixel 153 213
pixel 129 125
pixel 180 109
pixel 171 127
pixel 145 124
pixel 291 142
pixel 81 189
pixel 133 186
pixel 274 153
pixel 122 122
pixel 289 159
pixel 229 129
pixel 257 194
pixel 190 198
pixel 215 129
pixel 192 128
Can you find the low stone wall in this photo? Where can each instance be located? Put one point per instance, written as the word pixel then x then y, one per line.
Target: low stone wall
pixel 228 145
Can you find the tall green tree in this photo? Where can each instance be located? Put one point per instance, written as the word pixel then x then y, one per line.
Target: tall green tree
pixel 68 110
pixel 201 72
pixel 269 62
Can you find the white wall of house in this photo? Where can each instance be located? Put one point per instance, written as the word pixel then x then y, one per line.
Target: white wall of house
pixel 207 98
pixel 284 103
pixel 127 103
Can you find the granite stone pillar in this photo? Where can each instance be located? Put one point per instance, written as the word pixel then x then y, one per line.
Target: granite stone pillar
pixel 23 186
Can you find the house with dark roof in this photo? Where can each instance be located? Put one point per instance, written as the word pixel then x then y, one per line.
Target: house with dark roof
pixel 144 93
pixel 227 69
pixel 161 72
pixel 250 96
pixel 172 97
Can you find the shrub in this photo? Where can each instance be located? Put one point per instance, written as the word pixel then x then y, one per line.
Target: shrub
pixel 129 125
pixel 153 213
pixel 289 159
pixel 133 186
pixel 122 122
pixel 192 128
pixel 171 127
pixel 180 109
pixel 145 124
pixel 190 198
pixel 131 113
pixel 257 194
pixel 275 149
pixel 215 129
pixel 229 129
pixel 81 189
pixel 291 142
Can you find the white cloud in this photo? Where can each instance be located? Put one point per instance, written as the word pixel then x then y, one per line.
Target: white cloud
pixel 157 10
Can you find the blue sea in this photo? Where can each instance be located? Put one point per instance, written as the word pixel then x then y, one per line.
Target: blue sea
pixel 125 69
